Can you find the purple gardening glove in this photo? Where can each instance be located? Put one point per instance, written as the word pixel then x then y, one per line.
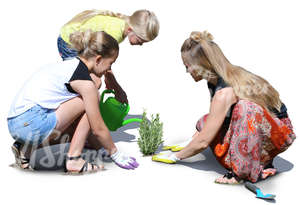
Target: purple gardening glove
pixel 124 161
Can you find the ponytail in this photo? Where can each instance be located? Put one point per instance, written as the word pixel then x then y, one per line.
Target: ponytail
pixel 89 43
pixel 145 24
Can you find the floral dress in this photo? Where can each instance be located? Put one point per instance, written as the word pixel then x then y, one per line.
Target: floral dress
pixel 250 138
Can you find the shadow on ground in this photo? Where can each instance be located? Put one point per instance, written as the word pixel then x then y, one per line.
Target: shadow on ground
pixel 121 135
pixel 52 157
pixel 206 161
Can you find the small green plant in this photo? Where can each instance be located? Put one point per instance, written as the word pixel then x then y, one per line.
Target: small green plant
pixel 151 133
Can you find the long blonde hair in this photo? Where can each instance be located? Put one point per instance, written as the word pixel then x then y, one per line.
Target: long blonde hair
pixel 206 54
pixel 143 22
pixel 91 43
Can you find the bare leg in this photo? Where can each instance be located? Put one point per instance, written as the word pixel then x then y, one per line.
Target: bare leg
pixel 93 142
pixel 67 135
pixel 79 138
pixel 68 112
pixel 71 122
pixel 81 130
pixel 66 115
pixel 77 144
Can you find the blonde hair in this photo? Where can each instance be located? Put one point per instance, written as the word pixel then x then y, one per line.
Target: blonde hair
pixel 89 44
pixel 143 22
pixel 204 52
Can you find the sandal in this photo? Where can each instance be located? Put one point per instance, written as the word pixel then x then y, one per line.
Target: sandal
pixel 84 168
pixel 229 176
pixel 21 162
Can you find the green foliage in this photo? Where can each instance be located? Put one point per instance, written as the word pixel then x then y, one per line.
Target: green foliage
pixel 151 133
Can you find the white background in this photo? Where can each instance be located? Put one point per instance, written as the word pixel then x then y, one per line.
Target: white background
pixel 261 36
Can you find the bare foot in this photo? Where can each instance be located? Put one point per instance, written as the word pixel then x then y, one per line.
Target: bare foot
pixel 76 166
pixel 268 172
pixel 224 180
pixel 228 178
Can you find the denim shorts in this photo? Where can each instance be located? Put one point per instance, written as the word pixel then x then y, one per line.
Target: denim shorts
pixel 64 49
pixel 32 126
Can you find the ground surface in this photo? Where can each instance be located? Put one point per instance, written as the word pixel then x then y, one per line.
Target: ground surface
pixel 261 36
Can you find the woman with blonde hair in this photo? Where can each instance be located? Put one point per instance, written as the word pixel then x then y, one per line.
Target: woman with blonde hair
pixel 247 124
pixel 142 26
pixel 59 94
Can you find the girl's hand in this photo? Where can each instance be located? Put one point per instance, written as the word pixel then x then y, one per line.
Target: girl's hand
pixel 108 83
pixel 124 161
pixel 121 96
pixel 112 84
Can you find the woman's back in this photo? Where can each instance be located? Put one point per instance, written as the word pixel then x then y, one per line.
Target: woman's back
pixel 111 25
pixel 46 87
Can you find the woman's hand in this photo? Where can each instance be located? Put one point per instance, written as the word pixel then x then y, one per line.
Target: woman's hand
pixel 220 104
pixel 165 158
pixel 177 147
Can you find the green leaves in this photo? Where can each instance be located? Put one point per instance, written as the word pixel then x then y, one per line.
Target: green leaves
pixel 151 133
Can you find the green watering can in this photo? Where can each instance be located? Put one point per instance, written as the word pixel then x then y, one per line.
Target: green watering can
pixel 113 112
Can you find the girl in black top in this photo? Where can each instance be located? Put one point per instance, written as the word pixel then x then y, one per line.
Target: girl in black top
pixel 71 99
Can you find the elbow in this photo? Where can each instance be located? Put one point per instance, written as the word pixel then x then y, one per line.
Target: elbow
pixel 204 145
pixel 200 145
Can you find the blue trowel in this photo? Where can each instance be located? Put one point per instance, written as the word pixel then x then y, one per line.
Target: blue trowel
pixel 258 192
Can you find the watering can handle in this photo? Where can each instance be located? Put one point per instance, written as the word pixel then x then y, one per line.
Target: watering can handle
pixel 105 92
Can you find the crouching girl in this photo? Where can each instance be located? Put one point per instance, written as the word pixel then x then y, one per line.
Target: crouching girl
pixel 59 94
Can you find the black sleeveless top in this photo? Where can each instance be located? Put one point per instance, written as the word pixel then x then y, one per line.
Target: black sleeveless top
pixel 81 73
pixel 222 84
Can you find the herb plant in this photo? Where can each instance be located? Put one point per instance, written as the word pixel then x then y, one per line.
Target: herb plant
pixel 151 133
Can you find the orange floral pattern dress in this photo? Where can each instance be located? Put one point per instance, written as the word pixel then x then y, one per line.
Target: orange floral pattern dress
pixel 251 140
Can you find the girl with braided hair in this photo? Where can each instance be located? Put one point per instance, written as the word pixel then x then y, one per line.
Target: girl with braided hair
pixel 142 26
pixel 62 94
pixel 247 124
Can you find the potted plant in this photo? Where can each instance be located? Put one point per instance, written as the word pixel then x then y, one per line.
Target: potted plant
pixel 151 133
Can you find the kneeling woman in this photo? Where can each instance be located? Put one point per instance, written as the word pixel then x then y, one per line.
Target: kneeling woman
pixel 247 124
pixel 57 95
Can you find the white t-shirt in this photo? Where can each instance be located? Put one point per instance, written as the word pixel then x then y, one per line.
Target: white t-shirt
pixel 47 87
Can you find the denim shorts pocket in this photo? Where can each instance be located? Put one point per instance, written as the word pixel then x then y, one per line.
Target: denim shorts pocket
pixel 33 126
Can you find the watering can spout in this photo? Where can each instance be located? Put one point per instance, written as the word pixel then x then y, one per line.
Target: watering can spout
pixel 125 122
